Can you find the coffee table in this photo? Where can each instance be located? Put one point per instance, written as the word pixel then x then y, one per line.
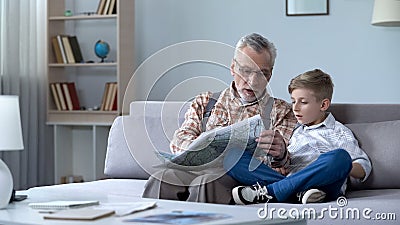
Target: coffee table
pixel 20 213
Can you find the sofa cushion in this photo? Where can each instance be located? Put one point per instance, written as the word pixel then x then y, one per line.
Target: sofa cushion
pixel 381 142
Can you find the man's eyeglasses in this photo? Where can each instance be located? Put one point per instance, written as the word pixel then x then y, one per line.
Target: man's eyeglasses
pixel 247 72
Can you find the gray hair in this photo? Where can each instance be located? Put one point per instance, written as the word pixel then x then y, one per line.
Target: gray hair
pixel 257 43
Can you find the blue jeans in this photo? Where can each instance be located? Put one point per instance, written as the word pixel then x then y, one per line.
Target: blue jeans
pixel 327 173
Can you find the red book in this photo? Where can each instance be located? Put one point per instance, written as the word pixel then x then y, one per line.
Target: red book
pixel 115 103
pixel 74 96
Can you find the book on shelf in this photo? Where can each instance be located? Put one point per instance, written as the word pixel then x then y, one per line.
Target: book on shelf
pixel 74 96
pixel 61 97
pixel 112 7
pixel 68 50
pixel 104 98
pixel 114 106
pixel 110 95
pixel 71 96
pixel 76 49
pixel 65 96
pixel 113 97
pixel 57 50
pixel 107 7
pixel 115 8
pixel 100 7
pixel 109 100
pixel 61 46
pixel 55 96
pixel 68 100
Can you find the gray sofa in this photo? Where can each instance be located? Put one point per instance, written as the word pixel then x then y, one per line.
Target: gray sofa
pixel 134 139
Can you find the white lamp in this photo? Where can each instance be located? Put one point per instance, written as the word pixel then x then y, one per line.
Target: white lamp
pixel 386 13
pixel 10 139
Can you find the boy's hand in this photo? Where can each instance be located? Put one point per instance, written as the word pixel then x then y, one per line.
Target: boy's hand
pixel 357 171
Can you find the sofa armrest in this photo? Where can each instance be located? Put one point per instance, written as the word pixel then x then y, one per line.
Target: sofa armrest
pixel 134 140
pixel 119 162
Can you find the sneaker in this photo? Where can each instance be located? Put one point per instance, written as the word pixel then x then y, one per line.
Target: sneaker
pixel 244 195
pixel 311 196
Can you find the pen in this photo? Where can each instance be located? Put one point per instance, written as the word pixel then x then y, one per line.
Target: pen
pixel 47 211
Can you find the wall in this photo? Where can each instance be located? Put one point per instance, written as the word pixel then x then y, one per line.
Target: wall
pixel 362 59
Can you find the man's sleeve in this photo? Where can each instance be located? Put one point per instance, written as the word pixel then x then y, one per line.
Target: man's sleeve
pixel 191 127
pixel 283 119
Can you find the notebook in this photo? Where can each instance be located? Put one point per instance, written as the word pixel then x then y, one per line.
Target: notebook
pixel 62 204
pixel 79 214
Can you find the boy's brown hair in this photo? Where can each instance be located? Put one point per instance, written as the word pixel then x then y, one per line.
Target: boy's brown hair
pixel 315 80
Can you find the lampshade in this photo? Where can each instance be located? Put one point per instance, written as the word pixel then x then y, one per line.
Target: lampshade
pixel 10 124
pixel 10 139
pixel 386 13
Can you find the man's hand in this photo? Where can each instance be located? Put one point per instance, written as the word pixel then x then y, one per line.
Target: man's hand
pixel 272 143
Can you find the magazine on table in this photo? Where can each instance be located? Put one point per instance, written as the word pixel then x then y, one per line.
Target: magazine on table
pixel 180 217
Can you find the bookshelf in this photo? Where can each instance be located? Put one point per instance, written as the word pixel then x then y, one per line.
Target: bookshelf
pixel 119 69
pixel 82 134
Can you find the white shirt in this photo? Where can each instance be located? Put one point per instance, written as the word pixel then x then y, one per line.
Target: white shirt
pixel 309 142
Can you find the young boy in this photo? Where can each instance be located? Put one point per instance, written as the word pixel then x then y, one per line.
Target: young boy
pixel 322 152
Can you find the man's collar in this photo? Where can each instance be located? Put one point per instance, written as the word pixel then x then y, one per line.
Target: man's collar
pixel 235 95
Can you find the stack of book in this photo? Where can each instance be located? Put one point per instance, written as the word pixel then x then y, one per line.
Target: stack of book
pixel 107 7
pixel 66 49
pixel 65 96
pixel 109 102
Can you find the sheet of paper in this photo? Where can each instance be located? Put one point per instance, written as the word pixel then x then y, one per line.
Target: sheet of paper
pixel 126 208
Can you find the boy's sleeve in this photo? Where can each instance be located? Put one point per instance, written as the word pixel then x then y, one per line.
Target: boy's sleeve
pixel 358 155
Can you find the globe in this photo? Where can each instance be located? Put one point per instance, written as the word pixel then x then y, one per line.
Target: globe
pixel 101 49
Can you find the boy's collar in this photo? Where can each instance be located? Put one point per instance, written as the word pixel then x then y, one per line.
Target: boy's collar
pixel 329 122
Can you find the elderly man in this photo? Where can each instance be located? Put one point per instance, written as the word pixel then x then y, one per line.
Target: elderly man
pixel 246 97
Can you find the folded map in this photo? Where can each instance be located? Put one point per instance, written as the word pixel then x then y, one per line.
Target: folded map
pixel 206 150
